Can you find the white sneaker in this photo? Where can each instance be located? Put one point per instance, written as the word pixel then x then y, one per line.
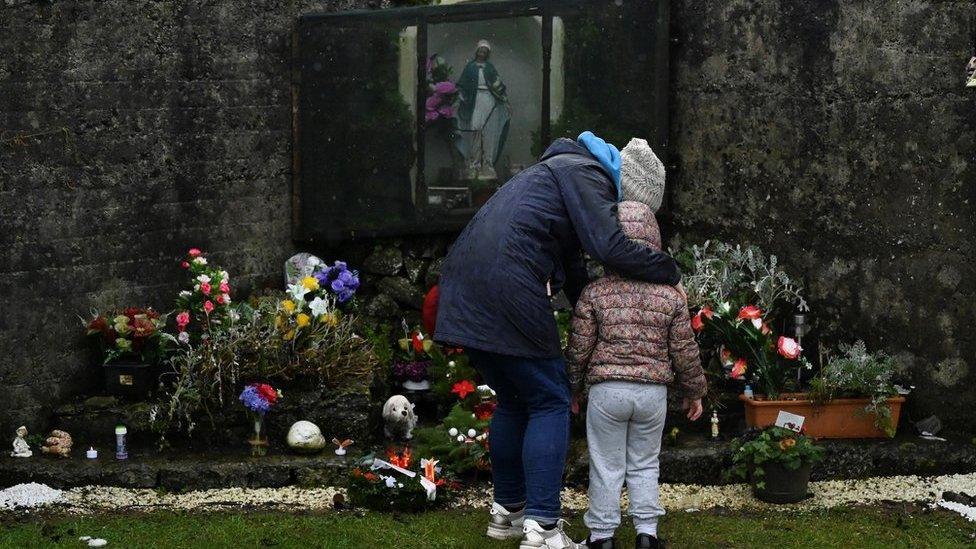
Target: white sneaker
pixel 505 524
pixel 537 537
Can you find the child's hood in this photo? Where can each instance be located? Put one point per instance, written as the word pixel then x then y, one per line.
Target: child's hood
pixel 638 223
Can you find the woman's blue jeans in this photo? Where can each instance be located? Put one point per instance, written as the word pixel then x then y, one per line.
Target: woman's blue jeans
pixel 529 432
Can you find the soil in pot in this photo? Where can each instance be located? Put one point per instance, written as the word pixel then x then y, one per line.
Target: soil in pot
pixel 783 485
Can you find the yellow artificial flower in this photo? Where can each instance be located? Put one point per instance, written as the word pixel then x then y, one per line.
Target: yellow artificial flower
pixel 279 322
pixel 329 319
pixel 302 319
pixel 289 335
pixel 310 283
pixel 288 305
pixel 121 324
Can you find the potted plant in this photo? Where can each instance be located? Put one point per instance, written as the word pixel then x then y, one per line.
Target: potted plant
pixel 776 462
pixel 130 345
pixel 853 396
pixel 411 370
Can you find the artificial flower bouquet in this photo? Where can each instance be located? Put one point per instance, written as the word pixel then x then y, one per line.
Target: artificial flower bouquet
pixel 130 333
pixel 208 303
pixel 258 399
pixel 442 93
pixel 336 280
pixel 413 360
pixel 749 349
pixel 391 484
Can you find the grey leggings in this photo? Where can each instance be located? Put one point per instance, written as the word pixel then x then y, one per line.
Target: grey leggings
pixel 624 422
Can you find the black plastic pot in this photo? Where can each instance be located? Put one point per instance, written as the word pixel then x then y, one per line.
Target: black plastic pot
pixel 129 379
pixel 783 485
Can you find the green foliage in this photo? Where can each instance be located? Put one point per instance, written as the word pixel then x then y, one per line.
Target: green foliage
pixel 379 339
pixel 462 457
pixel 716 273
pixel 773 444
pixel 859 374
pixel 448 369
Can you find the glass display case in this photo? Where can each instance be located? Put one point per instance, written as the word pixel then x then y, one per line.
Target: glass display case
pixel 407 120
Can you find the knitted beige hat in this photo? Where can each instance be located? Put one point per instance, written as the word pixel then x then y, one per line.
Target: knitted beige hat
pixel 641 174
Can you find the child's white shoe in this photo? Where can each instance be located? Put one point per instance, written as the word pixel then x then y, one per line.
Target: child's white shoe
pixel 537 537
pixel 505 524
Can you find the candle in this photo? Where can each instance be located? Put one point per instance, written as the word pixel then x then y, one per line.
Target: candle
pixel 92 453
pixel 120 452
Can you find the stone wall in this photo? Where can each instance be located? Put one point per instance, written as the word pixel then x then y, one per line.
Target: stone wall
pixel 833 133
pixel 838 135
pixel 130 131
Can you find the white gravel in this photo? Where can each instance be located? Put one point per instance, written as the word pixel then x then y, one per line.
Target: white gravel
pixel 966 511
pixel 28 496
pixel 675 497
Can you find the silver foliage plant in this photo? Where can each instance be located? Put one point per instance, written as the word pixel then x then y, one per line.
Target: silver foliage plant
pixel 717 272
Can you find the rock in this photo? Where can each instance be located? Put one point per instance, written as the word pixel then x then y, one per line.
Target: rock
pixel 384 261
pixel 382 306
pixel 402 291
pixel 305 437
pixel 415 269
pixel 433 272
pixel 100 402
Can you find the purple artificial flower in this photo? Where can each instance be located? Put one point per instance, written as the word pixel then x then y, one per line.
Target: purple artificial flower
pixel 345 276
pixel 353 283
pixel 253 400
pixel 433 102
pixel 337 285
pixel 411 371
pixel 447 111
pixel 345 295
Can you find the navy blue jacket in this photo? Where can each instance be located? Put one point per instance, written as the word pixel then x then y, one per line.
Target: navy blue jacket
pixel 533 230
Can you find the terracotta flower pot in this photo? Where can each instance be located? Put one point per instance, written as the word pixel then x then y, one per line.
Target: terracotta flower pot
pixel 839 418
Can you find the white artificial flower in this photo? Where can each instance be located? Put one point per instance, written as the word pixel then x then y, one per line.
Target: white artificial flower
pixel 200 260
pixel 319 306
pixel 453 432
pixel 186 293
pixel 472 433
pixel 451 364
pixel 390 482
pixel 196 287
pixel 757 322
pixel 203 279
pixel 184 337
pixel 724 308
pixel 226 298
pixel 297 292
pixel 460 438
pixel 235 316
pixel 225 277
pixel 486 390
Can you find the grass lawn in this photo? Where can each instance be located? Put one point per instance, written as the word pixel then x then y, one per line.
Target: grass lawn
pixel 895 526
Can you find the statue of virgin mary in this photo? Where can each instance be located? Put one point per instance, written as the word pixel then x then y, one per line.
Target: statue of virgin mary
pixel 483 114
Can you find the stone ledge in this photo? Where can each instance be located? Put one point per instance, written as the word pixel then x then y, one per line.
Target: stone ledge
pixel 703 462
pixel 179 472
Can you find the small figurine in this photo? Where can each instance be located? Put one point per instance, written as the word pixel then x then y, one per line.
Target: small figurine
pixel 714 421
pixel 59 443
pixel 341 450
pixel 399 418
pixel 21 448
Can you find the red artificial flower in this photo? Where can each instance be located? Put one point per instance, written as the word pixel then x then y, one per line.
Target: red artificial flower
pixel 267 392
pixel 185 265
pixel 370 476
pixel 98 324
pixel 143 327
pixel 765 329
pixel 739 368
pixel 749 312
pixel 208 306
pixel 463 388
pixel 224 288
pixel 788 348
pixel 220 299
pixel 697 322
pixel 484 410
pixel 194 252
pixel 417 339
pixel 205 288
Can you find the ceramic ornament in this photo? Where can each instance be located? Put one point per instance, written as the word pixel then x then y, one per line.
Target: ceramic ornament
pixel 305 437
pixel 21 448
pixel 341 446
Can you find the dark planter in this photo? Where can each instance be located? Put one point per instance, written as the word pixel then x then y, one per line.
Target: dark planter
pixel 130 379
pixel 783 485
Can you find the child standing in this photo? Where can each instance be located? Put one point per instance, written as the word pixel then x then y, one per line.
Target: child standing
pixel 630 339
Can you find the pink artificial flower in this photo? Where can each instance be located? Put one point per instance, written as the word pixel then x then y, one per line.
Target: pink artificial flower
pixel 185 265
pixel 433 102
pixel 220 299
pixel 447 111
pixel 194 252
pixel 205 288
pixel 739 368
pixel 788 348
pixel 208 306
pixel 430 116
pixel 183 319
pixel 445 88
pixel 224 287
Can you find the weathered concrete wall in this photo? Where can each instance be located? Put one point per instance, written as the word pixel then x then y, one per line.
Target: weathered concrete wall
pixel 838 135
pixel 128 132
pixel 834 133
